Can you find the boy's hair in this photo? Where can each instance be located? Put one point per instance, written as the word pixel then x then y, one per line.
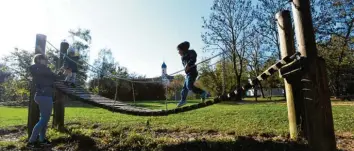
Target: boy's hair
pixel 183 46
pixel 38 57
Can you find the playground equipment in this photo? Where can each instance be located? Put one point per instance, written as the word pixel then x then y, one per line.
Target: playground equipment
pixel 307 94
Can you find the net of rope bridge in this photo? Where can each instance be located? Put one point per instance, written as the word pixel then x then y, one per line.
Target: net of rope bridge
pixel 127 109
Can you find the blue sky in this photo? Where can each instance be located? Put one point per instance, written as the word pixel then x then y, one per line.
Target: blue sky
pixel 141 33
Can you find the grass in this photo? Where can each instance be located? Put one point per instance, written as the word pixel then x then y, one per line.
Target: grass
pixel 224 118
pixel 242 119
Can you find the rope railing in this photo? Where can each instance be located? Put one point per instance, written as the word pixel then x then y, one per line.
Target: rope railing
pixel 110 75
pixel 237 92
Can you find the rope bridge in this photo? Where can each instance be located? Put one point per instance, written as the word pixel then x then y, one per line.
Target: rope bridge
pixel 79 93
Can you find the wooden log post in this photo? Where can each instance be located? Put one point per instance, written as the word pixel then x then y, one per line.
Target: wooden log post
pixel 33 110
pixel 59 109
pixel 318 110
pixel 287 47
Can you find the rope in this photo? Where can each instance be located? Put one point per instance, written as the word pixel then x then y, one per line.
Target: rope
pixel 200 62
pixel 237 92
pixel 130 80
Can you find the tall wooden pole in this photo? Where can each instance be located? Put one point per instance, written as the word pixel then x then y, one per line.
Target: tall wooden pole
pixel 287 48
pixel 33 110
pixel 59 110
pixel 318 110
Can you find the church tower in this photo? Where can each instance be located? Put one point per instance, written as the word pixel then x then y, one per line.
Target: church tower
pixel 164 69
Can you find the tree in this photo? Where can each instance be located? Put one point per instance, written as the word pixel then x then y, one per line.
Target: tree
pixel 17 65
pixel 272 81
pixel 81 42
pixel 211 78
pixel 335 26
pixel 227 29
pixel 19 61
pixel 104 64
pixel 331 51
pixel 175 86
pixel 256 59
pixel 266 25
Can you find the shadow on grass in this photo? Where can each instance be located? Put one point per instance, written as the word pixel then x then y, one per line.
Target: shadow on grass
pixel 242 143
pixel 76 141
pixel 251 102
pixel 150 106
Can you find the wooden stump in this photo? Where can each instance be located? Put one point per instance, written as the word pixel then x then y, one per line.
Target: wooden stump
pixel 59 111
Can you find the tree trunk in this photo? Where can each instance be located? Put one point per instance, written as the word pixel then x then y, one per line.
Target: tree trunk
pixel 340 60
pixel 255 93
pixel 261 87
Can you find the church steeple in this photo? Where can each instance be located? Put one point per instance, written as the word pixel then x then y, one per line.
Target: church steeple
pixel 164 69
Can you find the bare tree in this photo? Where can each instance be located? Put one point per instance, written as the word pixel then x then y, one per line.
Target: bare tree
pixel 256 58
pixel 266 23
pixel 227 29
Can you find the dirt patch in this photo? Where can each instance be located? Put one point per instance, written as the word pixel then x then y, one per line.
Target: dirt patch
pixel 12 133
pixel 176 140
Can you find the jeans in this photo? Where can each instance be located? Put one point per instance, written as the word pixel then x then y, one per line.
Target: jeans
pixel 71 77
pixel 189 85
pixel 45 104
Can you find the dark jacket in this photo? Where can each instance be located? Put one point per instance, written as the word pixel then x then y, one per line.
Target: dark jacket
pixel 190 58
pixel 43 79
pixel 70 62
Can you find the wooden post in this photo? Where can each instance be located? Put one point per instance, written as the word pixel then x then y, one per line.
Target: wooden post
pixel 33 110
pixel 287 48
pixel 59 110
pixel 318 110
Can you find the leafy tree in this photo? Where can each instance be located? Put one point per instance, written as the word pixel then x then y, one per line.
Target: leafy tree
pixel 175 86
pixel 331 51
pixel 18 62
pixel 81 42
pixel 227 29
pixel 105 64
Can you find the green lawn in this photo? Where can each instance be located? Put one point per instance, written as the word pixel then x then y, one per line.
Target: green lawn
pixel 104 130
pixel 241 119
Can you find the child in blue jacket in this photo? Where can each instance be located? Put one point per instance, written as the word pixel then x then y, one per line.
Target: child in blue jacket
pixel 189 58
pixel 70 66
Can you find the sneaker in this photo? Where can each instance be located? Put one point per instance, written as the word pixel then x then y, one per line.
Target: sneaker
pixel 204 96
pixel 45 143
pixel 32 145
pixel 181 103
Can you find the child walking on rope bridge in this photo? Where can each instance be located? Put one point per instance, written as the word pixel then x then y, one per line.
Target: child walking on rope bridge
pixel 189 58
pixel 70 66
pixel 43 79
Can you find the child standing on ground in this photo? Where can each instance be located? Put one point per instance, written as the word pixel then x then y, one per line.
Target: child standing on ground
pixel 43 79
pixel 70 66
pixel 189 58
